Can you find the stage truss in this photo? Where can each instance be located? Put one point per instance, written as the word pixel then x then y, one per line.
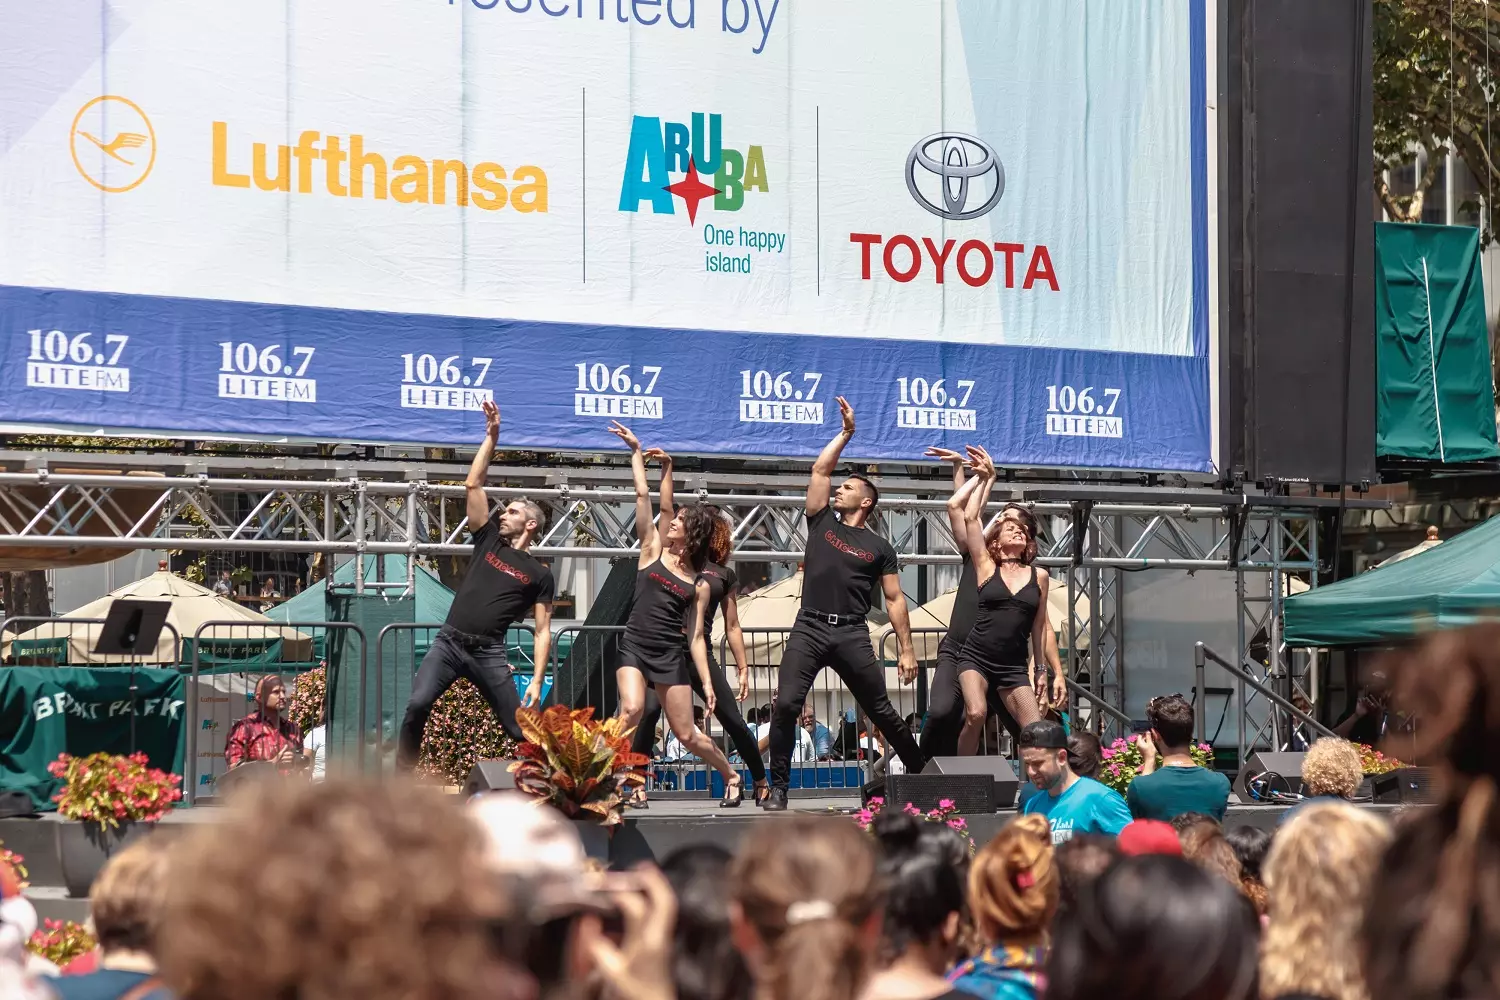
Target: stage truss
pixel 1100 532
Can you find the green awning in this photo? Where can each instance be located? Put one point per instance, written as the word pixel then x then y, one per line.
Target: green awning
pixel 1435 400
pixel 1450 585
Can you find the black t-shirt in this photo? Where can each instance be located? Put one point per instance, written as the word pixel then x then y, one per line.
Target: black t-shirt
pixel 500 587
pixel 965 606
pixel 842 565
pixel 721 580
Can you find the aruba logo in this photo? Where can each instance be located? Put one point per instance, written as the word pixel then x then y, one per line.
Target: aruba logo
pixel 660 149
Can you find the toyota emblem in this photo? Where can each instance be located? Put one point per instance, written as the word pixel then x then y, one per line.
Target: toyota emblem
pixel 957 160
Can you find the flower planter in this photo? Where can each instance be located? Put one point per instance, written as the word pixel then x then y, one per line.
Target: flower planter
pixel 595 839
pixel 84 847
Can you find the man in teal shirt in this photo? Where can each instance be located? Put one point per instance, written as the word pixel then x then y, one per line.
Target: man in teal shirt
pixel 1071 804
pixel 1178 785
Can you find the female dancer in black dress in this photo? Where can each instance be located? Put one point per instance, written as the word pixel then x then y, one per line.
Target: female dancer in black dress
pixel 664 635
pixel 1012 610
pixel 723 593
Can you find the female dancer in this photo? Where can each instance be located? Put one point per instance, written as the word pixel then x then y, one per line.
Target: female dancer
pixel 665 628
pixel 723 592
pixel 1012 608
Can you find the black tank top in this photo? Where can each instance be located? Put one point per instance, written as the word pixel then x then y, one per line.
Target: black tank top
pixel 1002 631
pixel 662 602
pixel 720 580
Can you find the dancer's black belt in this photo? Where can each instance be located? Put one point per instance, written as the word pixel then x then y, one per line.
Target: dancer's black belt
pixel 827 619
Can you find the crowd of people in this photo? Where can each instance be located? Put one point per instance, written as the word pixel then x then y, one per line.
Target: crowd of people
pixel 351 888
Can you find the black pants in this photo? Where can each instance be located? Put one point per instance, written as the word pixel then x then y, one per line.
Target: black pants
pixel 945 708
pixel 726 710
pixel 448 659
pixel 812 646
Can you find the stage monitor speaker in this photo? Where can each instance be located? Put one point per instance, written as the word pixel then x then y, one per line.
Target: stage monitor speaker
pixel 489 776
pixel 998 769
pixel 1296 242
pixel 1405 785
pixel 1280 772
pixel 970 793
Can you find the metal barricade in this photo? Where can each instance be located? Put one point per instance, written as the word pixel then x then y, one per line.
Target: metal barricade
pixel 516 655
pixel 225 634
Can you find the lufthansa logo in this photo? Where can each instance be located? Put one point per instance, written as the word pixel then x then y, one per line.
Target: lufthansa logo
pixel 960 162
pixel 113 143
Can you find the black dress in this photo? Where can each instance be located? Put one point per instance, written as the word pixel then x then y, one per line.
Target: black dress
pixel 656 640
pixel 998 644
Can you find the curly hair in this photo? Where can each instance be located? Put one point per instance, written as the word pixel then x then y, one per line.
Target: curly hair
pixel 1318 873
pixel 722 544
pixel 345 888
pixel 1432 927
pixel 806 886
pixel 1013 883
pixel 1204 845
pixel 698 533
pixel 1332 767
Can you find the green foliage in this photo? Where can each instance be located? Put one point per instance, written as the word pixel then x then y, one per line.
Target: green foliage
pixel 461 732
pixel 61 941
pixel 1122 762
pixel 110 789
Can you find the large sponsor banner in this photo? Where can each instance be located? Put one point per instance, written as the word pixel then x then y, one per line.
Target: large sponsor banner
pixel 978 220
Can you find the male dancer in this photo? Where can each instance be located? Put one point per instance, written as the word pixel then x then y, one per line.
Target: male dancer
pixel 843 562
pixel 502 582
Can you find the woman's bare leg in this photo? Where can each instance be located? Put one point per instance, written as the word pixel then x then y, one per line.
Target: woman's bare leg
pixel 677 703
pixel 975 689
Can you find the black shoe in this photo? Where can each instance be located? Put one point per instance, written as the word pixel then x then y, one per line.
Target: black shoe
pixel 734 795
pixel 776 801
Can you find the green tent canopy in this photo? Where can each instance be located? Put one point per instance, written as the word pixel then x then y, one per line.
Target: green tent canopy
pixel 1453 584
pixel 1435 400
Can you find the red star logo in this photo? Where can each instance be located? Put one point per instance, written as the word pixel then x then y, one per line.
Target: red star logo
pixel 691 190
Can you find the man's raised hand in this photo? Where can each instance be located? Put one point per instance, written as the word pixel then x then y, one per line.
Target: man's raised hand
pixel 491 418
pixel 847 413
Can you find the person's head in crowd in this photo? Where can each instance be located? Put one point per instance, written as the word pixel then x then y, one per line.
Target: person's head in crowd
pixel 1186 821
pixel 1013 882
pixel 1084 754
pixel 345 888
pixel 1149 836
pixel 540 859
pixel 1204 845
pixel 1332 769
pixel 1432 929
pixel 1318 873
pixel 1156 928
pixel 1171 719
pixel 1250 844
pixel 805 901
pixel 270 696
pixel 1082 860
pixel 705 963
pixel 914 722
pixel 128 902
pixel 1044 753
pixel 924 867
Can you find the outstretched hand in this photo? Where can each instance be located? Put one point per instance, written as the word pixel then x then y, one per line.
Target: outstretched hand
pixel 658 454
pixel 622 432
pixel 491 418
pixel 847 413
pixel 980 461
pixel 945 455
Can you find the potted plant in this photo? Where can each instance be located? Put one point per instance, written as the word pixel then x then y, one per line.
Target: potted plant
pixel 106 799
pixel 582 767
pixel 1376 765
pixel 1121 762
pixel 61 941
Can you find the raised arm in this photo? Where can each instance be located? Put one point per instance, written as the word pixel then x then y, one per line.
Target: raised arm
pixel 645 528
pixel 819 484
pixel 665 505
pixel 477 505
pixel 984 564
pixel 699 646
pixel 964 493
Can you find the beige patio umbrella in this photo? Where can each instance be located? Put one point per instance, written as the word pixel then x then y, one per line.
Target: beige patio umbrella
pixel 192 606
pixel 773 609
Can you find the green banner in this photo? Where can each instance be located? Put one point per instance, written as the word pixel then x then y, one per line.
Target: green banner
pixel 46 711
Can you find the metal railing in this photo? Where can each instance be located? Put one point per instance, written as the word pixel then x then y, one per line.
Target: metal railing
pixel 1201 655
pixel 228 632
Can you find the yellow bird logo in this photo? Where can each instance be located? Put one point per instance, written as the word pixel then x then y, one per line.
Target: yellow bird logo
pixel 125 140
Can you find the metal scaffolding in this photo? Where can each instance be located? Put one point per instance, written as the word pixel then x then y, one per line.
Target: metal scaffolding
pixel 1100 532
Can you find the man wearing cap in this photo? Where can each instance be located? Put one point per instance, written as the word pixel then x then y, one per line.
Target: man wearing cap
pixel 266 733
pixel 1071 804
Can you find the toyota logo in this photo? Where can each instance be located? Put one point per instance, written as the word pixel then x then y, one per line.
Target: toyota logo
pixel 957 159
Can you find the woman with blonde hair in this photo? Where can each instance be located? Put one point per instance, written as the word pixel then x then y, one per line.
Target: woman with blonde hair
pixel 805 908
pixel 1013 891
pixel 1319 872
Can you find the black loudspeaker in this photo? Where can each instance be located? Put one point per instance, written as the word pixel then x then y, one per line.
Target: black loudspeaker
pixel 490 776
pixel 1405 785
pixel 1296 246
pixel 1274 771
pixel 975 784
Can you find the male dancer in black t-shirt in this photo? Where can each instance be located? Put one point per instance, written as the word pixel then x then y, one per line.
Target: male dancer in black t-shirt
pixel 842 564
pixel 503 581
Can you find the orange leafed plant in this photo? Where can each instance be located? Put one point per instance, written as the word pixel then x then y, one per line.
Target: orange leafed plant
pixel 578 765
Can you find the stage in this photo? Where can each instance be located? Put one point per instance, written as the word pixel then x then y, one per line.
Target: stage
pixel 672 821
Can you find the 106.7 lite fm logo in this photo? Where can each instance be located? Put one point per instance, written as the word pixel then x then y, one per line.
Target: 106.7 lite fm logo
pixel 667 162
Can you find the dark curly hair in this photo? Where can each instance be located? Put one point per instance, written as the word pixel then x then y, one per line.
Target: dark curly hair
pixel 1028 524
pixel 698 535
pixel 722 544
